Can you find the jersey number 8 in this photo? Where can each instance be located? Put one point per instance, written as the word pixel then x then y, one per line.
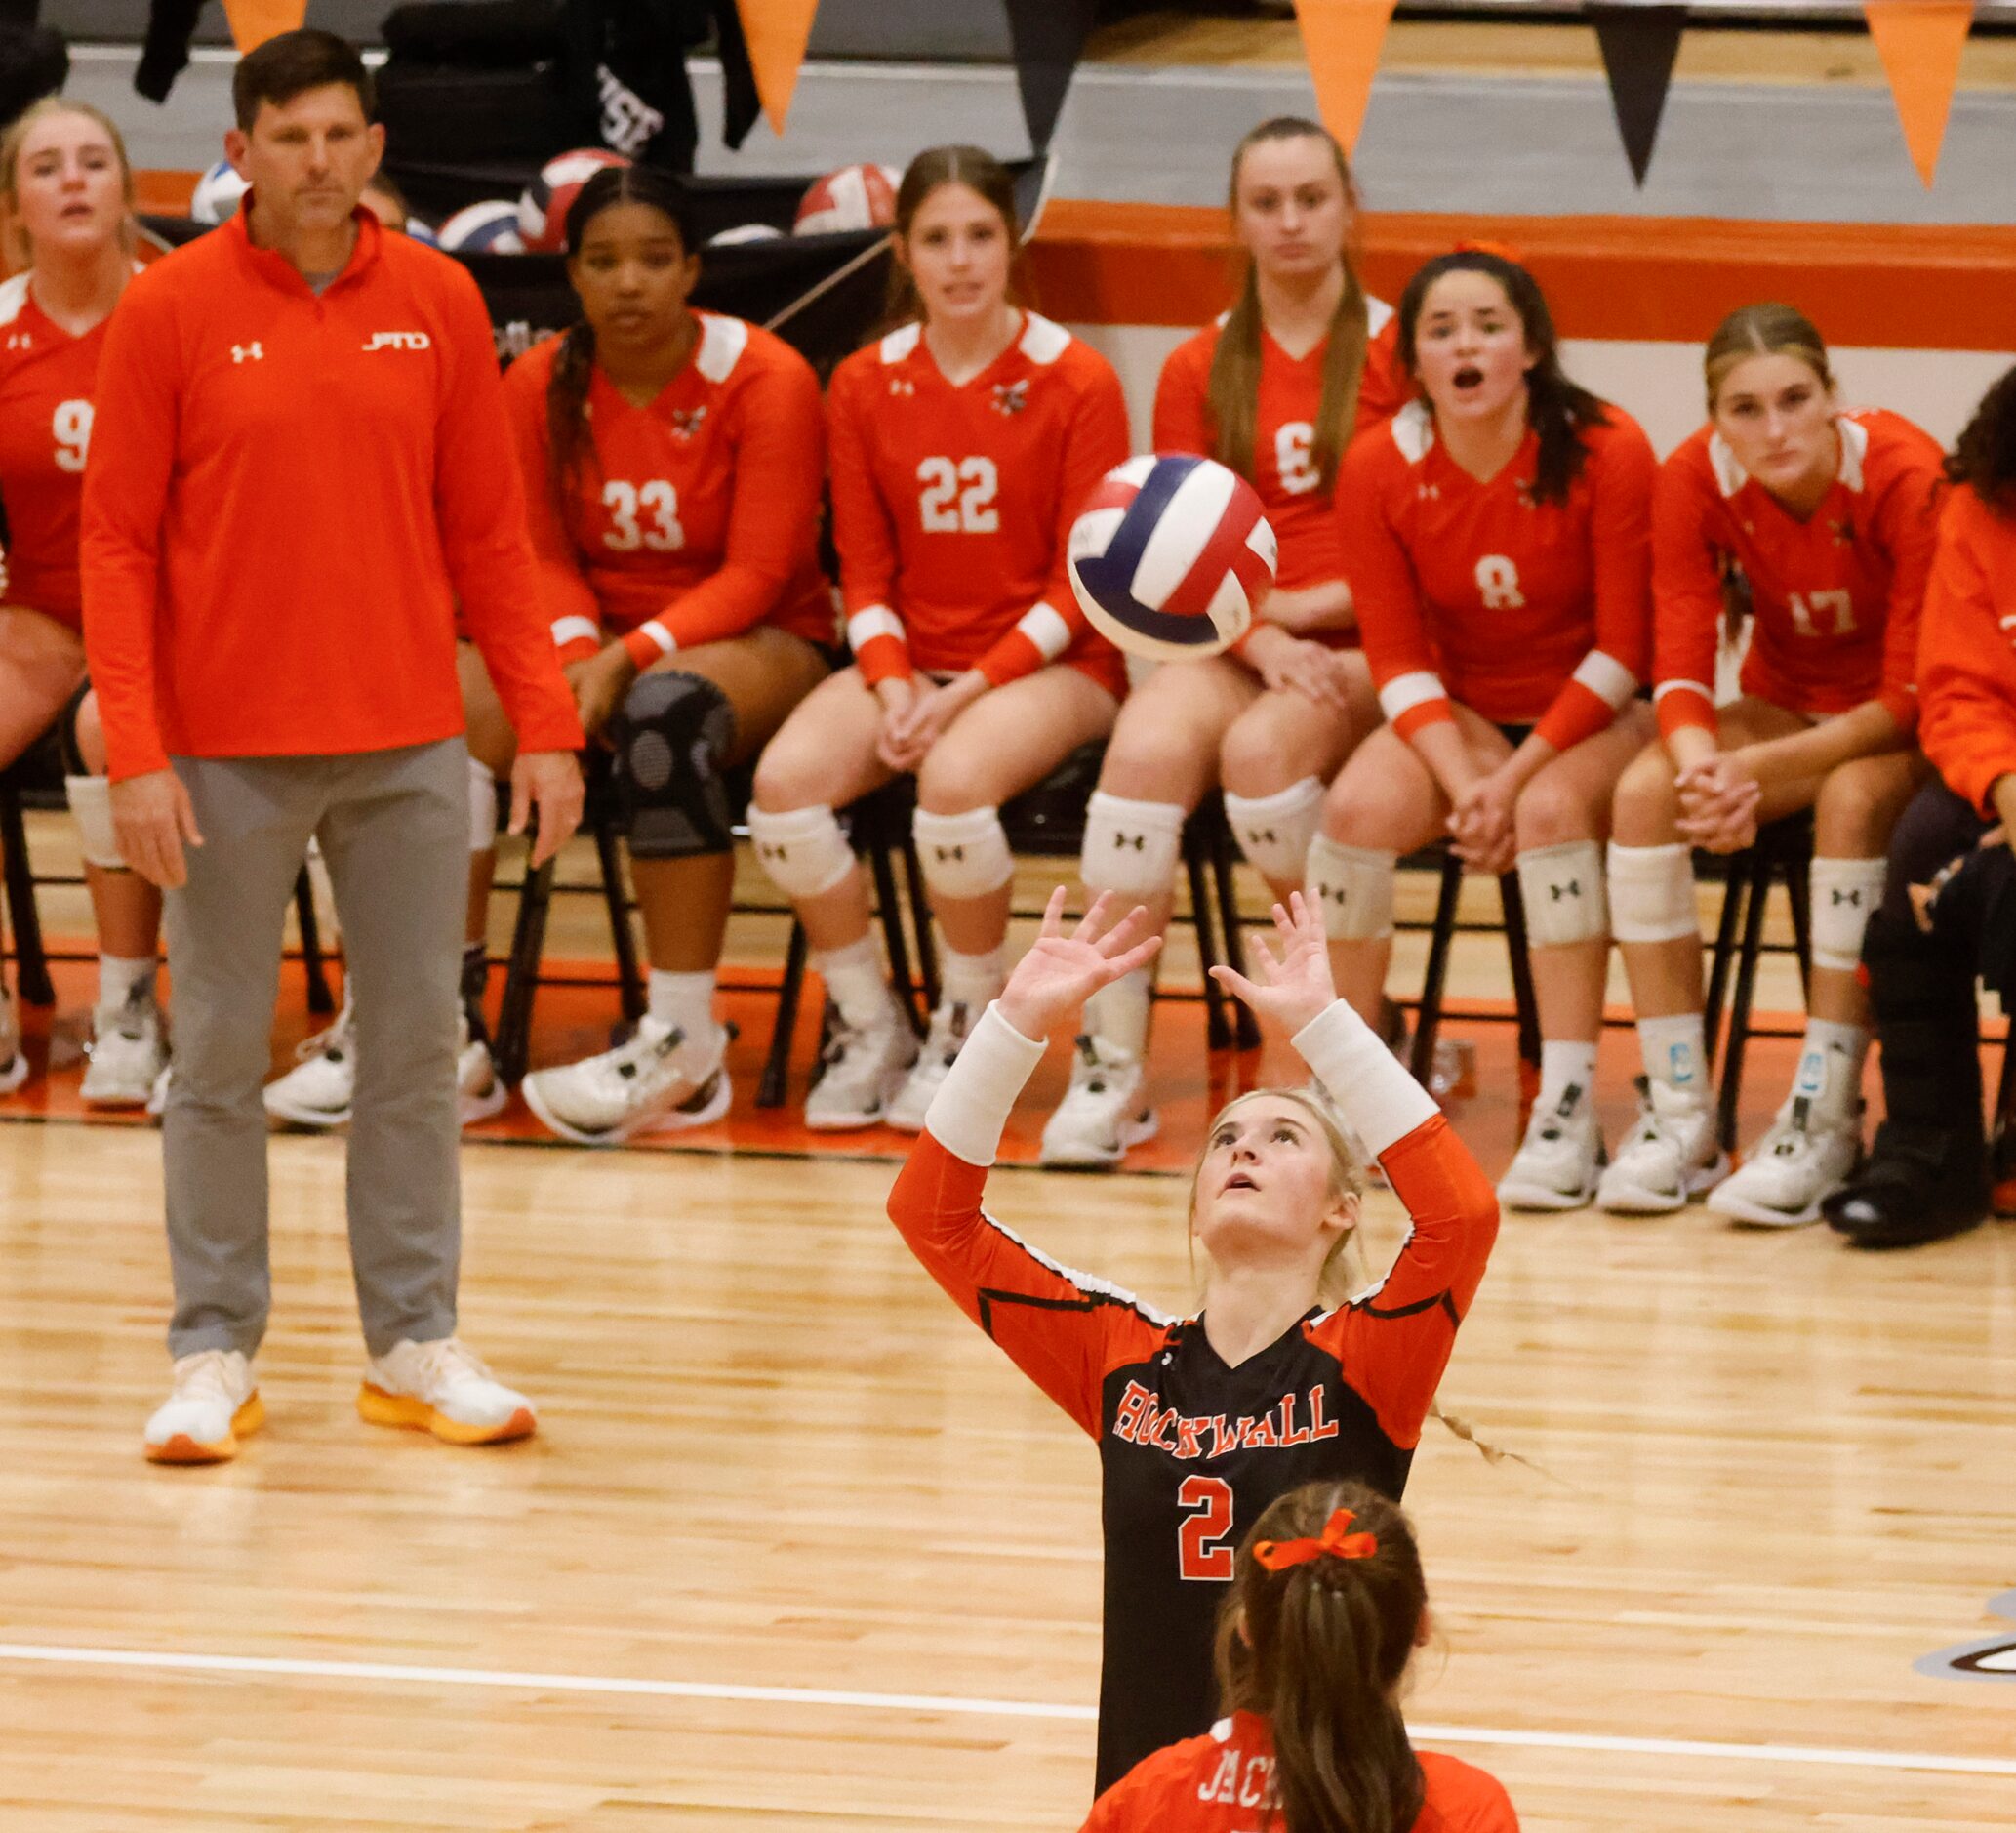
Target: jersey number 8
pixel 950 510
pixel 657 500
pixel 71 426
pixel 1203 1541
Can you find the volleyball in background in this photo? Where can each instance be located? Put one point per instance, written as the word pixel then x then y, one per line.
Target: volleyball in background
pixel 855 197
pixel 543 209
pixel 1171 557
pixel 217 193
pixel 419 232
pixel 744 232
pixel 486 229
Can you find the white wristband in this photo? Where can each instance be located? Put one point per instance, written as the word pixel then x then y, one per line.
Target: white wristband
pixel 973 1102
pixel 1383 1103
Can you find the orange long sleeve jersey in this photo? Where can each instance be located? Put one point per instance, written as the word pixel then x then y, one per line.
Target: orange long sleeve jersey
pixel 287 498
pixel 1525 612
pixel 48 381
pixel 1967 649
pixel 1224 1783
pixel 1835 597
pixel 692 518
pixel 952 506
pixel 1291 391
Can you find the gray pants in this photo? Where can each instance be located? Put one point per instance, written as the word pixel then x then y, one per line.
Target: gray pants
pixel 394 828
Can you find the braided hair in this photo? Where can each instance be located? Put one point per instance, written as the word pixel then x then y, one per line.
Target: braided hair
pixel 574 364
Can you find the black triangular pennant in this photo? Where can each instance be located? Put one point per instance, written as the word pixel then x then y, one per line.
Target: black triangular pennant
pixel 1047 35
pixel 1640 44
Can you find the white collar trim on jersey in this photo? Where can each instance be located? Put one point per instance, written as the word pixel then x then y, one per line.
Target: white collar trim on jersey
pixel 1414 431
pixel 14 294
pixel 722 342
pixel 1042 340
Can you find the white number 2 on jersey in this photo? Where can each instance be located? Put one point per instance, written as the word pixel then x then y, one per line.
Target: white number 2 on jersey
pixel 1807 612
pixel 657 500
pixel 72 429
pixel 1498 583
pixel 950 510
pixel 1292 442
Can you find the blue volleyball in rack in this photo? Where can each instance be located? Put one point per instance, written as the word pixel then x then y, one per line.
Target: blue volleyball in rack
pixel 486 229
pixel 1170 557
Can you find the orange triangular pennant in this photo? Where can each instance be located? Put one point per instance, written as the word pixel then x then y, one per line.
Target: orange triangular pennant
pixel 776 33
pixel 254 22
pixel 1920 42
pixel 1342 38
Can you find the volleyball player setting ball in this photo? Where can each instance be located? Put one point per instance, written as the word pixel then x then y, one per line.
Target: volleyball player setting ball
pixel 1831 518
pixel 1202 1422
pixel 1274 391
pixel 69 190
pixel 961 446
pixel 672 464
pixel 1316 1642
pixel 1497 534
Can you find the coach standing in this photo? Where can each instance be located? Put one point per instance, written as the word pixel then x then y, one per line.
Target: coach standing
pixel 300 472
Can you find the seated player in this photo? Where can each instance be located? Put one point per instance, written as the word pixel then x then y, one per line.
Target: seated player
pixel 1497 536
pixel 66 184
pixel 1202 1423
pixel 1274 391
pixel 1829 516
pixel 1949 909
pixel 962 445
pixel 1316 1642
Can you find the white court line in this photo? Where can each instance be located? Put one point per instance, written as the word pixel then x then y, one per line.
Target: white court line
pixel 283 1667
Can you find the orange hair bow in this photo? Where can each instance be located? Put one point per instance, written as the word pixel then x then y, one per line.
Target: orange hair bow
pixel 1335 1542
pixel 1505 250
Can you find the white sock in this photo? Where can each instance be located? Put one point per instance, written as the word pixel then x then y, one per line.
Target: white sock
pixel 1675 1052
pixel 683 1002
pixel 118 975
pixel 1562 1065
pixel 1117 1014
pixel 970 980
pixel 1833 1088
pixel 854 982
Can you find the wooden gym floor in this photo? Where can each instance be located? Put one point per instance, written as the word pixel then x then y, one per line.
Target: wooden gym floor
pixel 795 1549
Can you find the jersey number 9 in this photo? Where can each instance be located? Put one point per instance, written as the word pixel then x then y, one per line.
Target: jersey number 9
pixel 71 426
pixel 958 499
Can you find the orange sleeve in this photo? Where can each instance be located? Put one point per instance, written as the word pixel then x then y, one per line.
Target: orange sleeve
pixel 1386 592
pixel 863 536
pixel 1686 592
pixel 133 443
pixel 1159 1795
pixel 1462 1798
pixel 773 517
pixel 1966 650
pixel 1620 472
pixel 480 504
pixel 1182 409
pixel 1908 525
pixel 572 616
pixel 1096 440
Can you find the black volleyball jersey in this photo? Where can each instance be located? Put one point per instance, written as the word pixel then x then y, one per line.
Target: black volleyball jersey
pixel 1191 1449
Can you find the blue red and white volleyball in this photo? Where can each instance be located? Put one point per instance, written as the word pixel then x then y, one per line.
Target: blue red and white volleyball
pixel 1171 557
pixel 547 200
pixel 485 229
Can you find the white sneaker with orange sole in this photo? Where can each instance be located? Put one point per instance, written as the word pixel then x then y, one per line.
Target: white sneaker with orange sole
pixel 214 1404
pixel 443 1388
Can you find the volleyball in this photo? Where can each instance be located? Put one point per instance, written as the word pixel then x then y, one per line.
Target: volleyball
pixel 855 197
pixel 544 207
pixel 486 229
pixel 1170 556
pixel 745 234
pixel 217 193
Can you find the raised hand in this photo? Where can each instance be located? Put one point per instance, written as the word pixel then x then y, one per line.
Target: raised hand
pixel 1061 972
pixel 1296 986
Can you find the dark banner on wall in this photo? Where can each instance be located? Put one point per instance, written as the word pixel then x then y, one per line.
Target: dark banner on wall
pixel 1048 36
pixel 1640 44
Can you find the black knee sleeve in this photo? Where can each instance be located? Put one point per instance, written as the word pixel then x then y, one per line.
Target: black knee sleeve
pixel 671 735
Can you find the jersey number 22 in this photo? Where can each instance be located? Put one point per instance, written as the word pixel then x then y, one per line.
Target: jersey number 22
pixel 958 499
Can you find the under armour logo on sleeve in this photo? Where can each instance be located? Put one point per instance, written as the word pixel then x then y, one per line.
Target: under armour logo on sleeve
pixel 247 353
pixel 1853 899
pixel 1139 842
pixel 1557 892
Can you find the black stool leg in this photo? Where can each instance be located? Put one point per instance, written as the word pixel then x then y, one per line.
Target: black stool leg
pixel 777 1064
pixel 1738 1007
pixel 630 979
pixel 1798 891
pixel 30 958
pixel 1734 887
pixel 1427 1017
pixel 920 923
pixel 1218 1025
pixel 1224 857
pixel 887 902
pixel 513 1041
pixel 321 1001
pixel 1524 1001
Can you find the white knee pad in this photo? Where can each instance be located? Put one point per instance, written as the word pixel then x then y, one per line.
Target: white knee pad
pixel 482 808
pixel 90 808
pixel 1652 893
pixel 1562 889
pixel 1354 887
pixel 1274 831
pixel 1130 847
pixel 803 849
pixel 964 855
pixel 1845 894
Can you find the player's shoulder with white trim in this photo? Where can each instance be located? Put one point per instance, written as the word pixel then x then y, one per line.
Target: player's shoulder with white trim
pixel 1402 439
pixel 1886 446
pixel 14 296
pixel 883 367
pixel 1378 316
